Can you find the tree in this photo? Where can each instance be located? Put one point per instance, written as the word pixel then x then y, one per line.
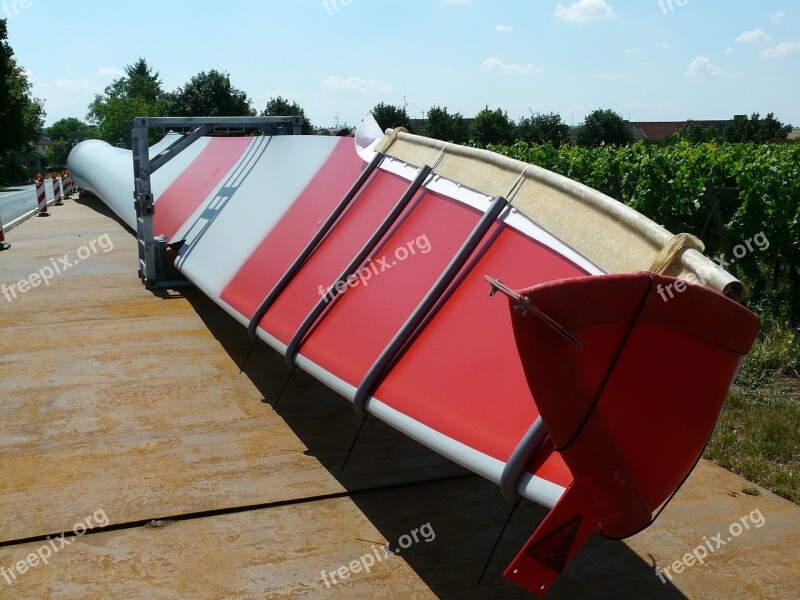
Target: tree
pixel 64 134
pixel 604 127
pixel 281 107
pixel 441 125
pixel 140 82
pixel 697 133
pixel 21 115
pixel 389 116
pixel 137 94
pixel 208 95
pixel 754 129
pixel 541 129
pixel 493 127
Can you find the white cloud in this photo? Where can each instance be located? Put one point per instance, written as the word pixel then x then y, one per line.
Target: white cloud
pixel 612 76
pixel 632 51
pixel 778 16
pixel 503 28
pixel 34 80
pixel 356 84
pixel 729 51
pixel 110 72
pixel 702 65
pixel 493 64
pixel 781 50
pixel 75 86
pixel 584 11
pixel 757 35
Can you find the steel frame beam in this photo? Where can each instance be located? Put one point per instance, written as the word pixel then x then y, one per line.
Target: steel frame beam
pixel 153 267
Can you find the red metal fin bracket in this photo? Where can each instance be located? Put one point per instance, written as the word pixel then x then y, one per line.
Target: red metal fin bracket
pixel 564 530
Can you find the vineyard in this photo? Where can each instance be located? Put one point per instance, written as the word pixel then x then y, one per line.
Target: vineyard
pixel 756 187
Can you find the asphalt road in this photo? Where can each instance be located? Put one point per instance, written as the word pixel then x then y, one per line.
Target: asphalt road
pixel 16 201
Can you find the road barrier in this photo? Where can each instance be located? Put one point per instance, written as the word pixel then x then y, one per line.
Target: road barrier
pixel 57 190
pixel 41 196
pixel 3 244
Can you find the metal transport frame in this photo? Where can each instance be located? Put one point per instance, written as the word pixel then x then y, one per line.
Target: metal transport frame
pixel 153 264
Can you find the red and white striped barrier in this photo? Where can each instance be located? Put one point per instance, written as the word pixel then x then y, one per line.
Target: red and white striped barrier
pixel 57 190
pixel 3 244
pixel 66 181
pixel 41 196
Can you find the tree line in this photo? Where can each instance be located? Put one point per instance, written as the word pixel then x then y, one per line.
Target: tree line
pixel 140 92
pixel 601 127
pixel 21 115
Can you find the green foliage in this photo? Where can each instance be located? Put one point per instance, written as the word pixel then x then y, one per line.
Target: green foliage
pixel 137 94
pixel 604 127
pixel 775 353
pixel 441 125
pixel 543 129
pixel 21 115
pixel 140 82
pixel 12 174
pixel 281 107
pixel 492 127
pixel 754 129
pixel 390 116
pixel 697 133
pixel 758 188
pixel 208 95
pixel 64 134
pixel 757 437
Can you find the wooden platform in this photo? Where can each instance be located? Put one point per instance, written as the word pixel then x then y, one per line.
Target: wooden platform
pixel 118 403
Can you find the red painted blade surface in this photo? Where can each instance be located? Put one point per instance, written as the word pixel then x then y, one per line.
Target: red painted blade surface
pixel 631 435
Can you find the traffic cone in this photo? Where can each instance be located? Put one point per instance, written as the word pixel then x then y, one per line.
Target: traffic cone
pixel 41 196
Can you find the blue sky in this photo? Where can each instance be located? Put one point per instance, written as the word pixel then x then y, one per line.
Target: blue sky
pixel 647 59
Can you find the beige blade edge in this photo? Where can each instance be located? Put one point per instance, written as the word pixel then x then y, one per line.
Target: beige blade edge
pixel 610 234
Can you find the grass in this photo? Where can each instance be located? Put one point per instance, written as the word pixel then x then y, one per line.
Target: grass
pixel 758 434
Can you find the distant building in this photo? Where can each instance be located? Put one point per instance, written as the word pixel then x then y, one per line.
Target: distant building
pixel 43 145
pixel 795 134
pixel 33 161
pixel 419 124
